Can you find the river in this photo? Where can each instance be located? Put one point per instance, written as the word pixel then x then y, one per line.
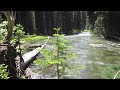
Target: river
pixel 97 58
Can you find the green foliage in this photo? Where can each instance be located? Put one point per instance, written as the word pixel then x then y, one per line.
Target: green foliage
pixel 4 24
pixel 99 25
pixel 3 30
pixel 18 34
pixel 57 29
pixel 58 55
pixel 61 55
pixel 33 39
pixel 3 72
pixel 18 31
pixel 23 77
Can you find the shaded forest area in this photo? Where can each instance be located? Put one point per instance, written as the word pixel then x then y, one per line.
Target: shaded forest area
pixel 43 22
pixel 105 23
pixel 71 22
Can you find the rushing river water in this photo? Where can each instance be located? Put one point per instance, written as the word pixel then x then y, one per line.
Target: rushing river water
pixel 97 58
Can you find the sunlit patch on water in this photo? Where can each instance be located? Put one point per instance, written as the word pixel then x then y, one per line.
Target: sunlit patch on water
pixel 92 62
pixel 96 45
pixel 85 34
pixel 81 34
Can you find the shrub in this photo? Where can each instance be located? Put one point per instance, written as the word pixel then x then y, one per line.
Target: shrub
pixel 3 72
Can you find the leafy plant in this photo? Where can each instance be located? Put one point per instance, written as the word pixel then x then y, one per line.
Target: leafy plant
pixel 18 32
pixel 33 38
pixel 3 72
pixel 3 30
pixel 57 56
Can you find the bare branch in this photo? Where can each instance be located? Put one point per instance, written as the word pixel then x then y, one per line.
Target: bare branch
pixel 116 74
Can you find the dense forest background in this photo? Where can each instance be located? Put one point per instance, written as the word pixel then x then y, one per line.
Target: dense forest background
pixel 104 23
pixel 42 22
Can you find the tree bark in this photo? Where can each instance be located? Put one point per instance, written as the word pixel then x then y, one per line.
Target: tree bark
pixel 11 16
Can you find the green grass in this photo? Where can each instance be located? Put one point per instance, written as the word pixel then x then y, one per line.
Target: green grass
pixel 1 41
pixel 32 39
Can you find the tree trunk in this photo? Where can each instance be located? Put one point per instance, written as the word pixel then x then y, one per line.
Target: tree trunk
pixel 7 51
pixel 31 24
pixel 11 21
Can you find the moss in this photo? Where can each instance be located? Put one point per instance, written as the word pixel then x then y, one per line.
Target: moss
pixel 33 39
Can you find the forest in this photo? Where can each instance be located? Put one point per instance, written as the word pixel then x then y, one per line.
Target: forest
pixel 59 44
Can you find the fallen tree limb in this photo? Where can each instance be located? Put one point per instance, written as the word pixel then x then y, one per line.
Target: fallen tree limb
pixel 116 37
pixel 27 59
pixel 116 75
pixel 30 56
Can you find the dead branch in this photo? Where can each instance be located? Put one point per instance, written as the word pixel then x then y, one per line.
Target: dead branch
pixel 116 75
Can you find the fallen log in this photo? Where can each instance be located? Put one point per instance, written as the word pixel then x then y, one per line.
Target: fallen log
pixel 30 56
pixel 116 37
